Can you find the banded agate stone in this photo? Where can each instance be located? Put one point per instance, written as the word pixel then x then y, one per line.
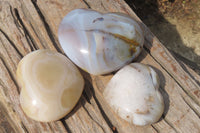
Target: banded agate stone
pixel 100 43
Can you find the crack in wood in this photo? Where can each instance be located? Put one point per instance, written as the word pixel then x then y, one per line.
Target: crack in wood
pixel 43 46
pixel 92 118
pixel 86 96
pixel 104 115
pixel 28 37
pixel 50 127
pixel 13 45
pixel 87 93
pixel 87 4
pixel 24 127
pixel 103 6
pixel 91 90
pixel 27 15
pixel 147 50
pixel 65 125
pixel 18 26
pixel 191 107
pixel 155 129
pixel 171 125
pixel 7 51
pixel 46 25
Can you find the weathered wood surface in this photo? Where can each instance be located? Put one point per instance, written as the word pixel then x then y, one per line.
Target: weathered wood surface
pixel 27 25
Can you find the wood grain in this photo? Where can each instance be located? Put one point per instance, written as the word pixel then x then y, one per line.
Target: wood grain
pixel 27 25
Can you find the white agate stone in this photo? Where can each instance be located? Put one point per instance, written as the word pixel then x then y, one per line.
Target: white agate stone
pixel 50 83
pixel 100 43
pixel 133 94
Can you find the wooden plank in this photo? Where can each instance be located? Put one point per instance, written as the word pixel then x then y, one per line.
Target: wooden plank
pixel 27 25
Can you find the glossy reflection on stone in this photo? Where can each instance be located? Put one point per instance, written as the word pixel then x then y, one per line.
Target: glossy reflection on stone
pixel 100 43
pixel 51 85
pixel 133 94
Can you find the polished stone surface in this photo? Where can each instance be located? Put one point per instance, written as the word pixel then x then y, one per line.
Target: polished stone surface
pixel 133 94
pixel 100 43
pixel 51 85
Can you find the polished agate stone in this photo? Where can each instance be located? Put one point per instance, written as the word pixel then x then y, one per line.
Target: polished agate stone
pixel 133 94
pixel 51 85
pixel 100 43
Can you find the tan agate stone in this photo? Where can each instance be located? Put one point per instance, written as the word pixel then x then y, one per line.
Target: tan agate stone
pixel 51 85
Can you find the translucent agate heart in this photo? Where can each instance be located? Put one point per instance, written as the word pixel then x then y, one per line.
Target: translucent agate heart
pixel 50 83
pixel 133 94
pixel 100 43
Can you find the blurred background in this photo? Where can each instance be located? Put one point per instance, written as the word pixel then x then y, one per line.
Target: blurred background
pixel 176 23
